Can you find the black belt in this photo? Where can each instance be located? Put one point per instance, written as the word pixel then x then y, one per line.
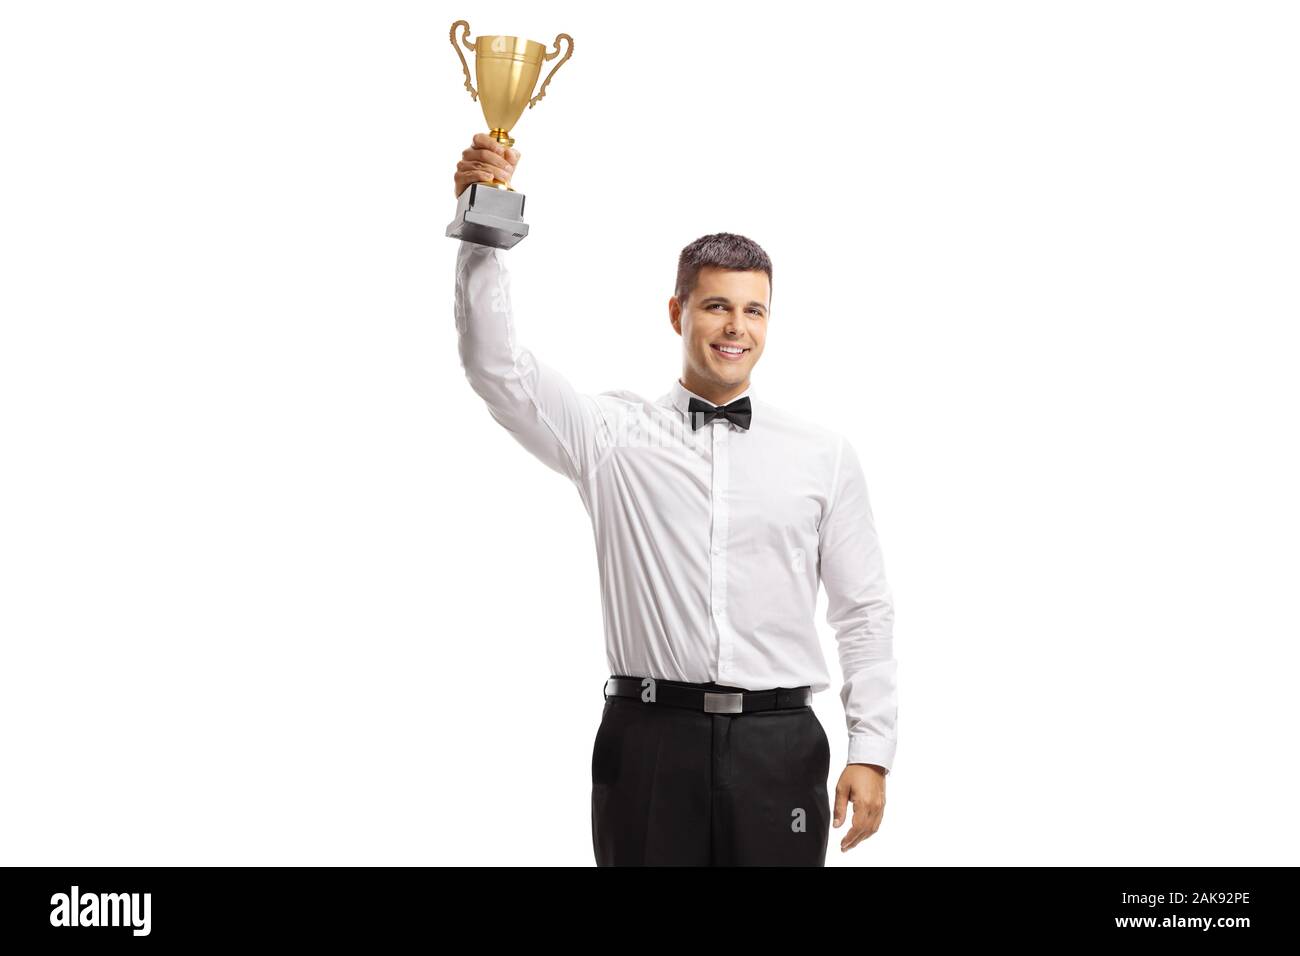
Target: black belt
pixel 704 697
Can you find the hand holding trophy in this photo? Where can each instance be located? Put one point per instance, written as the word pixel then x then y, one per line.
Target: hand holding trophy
pixel 485 161
pixel 491 212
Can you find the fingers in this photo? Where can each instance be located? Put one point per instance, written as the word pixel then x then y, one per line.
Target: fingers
pixel 488 148
pixel 484 161
pixel 841 802
pixel 867 815
pixel 463 179
pixel 862 828
pixel 487 141
pixel 488 158
pixel 490 168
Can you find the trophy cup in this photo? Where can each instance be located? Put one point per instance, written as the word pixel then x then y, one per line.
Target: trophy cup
pixel 492 214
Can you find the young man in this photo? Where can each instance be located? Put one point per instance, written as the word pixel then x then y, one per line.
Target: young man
pixel 716 517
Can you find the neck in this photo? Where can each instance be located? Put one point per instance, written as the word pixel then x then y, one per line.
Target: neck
pixel 717 394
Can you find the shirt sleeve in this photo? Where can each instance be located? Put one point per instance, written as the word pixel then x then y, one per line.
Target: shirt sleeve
pixel 536 404
pixel 860 608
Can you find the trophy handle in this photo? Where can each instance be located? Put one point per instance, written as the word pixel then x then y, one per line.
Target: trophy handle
pixel 469 45
pixel 551 56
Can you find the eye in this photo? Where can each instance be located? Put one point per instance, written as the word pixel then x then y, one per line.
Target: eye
pixel 716 305
pixel 758 312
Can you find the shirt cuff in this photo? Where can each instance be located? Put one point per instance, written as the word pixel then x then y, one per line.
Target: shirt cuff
pixel 875 750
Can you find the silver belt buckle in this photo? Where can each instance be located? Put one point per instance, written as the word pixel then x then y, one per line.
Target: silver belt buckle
pixel 729 703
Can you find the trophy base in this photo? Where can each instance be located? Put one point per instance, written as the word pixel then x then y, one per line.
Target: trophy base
pixel 489 216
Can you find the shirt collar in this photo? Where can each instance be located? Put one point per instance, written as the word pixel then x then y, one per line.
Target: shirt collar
pixel 682 396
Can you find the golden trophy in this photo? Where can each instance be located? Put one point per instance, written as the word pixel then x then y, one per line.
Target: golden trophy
pixel 492 213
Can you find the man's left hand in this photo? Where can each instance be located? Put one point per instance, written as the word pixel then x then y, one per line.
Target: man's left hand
pixel 863 785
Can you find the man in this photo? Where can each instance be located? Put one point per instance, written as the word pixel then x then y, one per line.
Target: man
pixel 716 516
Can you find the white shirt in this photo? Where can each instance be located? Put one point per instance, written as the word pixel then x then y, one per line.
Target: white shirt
pixel 711 544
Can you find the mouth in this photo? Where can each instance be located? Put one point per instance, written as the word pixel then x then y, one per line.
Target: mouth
pixel 729 353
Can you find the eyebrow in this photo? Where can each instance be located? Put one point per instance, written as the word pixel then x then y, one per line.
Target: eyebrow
pixel 725 301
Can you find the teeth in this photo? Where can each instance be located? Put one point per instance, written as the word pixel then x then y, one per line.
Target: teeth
pixel 732 349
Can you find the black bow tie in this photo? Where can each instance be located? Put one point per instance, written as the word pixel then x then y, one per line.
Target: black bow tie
pixel 702 412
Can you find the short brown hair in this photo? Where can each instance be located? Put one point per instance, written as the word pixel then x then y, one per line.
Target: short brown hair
pixel 722 250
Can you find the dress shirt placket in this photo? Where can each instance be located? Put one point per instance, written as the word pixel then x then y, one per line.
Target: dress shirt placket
pixel 718 558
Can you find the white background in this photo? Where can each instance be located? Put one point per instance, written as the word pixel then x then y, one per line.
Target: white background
pixel 275 589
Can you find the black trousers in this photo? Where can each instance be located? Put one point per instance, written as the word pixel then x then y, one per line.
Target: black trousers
pixel 671 786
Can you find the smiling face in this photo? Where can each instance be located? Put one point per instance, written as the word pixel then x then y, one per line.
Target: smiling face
pixel 723 325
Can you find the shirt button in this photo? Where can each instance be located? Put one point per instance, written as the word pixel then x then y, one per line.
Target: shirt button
pixel 717 550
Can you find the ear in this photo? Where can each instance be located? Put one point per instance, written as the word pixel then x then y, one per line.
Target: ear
pixel 675 315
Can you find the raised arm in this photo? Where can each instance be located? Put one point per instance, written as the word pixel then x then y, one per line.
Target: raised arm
pixel 860 609
pixel 532 401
